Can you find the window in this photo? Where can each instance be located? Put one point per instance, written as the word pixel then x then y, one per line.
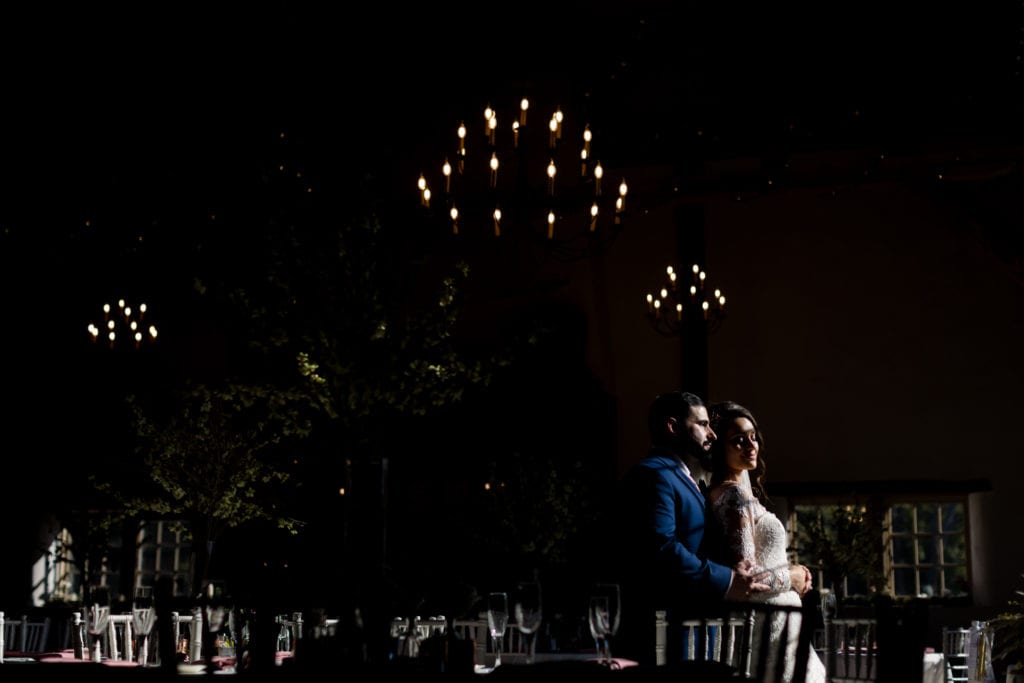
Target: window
pixel 928 550
pixel 55 576
pixel 906 548
pixel 161 551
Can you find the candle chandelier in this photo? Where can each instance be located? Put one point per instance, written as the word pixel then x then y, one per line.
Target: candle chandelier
pixel 124 328
pixel 526 176
pixel 688 302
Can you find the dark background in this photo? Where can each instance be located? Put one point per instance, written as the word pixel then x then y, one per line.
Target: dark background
pixel 123 130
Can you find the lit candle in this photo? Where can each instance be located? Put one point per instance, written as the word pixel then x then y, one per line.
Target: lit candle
pixel 462 147
pixel 702 276
pixel 551 177
pixel 515 134
pixel 657 308
pixel 106 312
pixel 553 127
pixel 497 222
pixel 494 169
pixel 142 312
pixel 558 119
pixel 152 332
pixel 93 332
pixel 704 309
pixel 650 302
pixel 593 217
pixel 492 127
pixel 587 136
pixel 426 197
pixel 679 312
pixel 447 170
pixel 422 184
pixel 618 210
pixel 455 220
pixel 623 189
pixel 551 225
pixel 523 106
pixel 583 163
pixel 598 174
pixel 111 337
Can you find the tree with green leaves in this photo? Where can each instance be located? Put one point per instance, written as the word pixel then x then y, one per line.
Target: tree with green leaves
pixel 845 540
pixel 218 460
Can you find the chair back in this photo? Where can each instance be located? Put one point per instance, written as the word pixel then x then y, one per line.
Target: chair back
pixel 289 631
pixel 954 651
pixel 189 626
pixel 118 642
pixel 24 634
pixel 733 639
pixel 850 650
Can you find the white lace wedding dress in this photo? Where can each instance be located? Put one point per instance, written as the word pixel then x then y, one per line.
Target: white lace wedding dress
pixel 757 538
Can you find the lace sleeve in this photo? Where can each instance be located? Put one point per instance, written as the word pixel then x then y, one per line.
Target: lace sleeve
pixel 736 510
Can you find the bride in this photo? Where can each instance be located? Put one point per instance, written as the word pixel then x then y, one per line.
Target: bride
pixel 748 534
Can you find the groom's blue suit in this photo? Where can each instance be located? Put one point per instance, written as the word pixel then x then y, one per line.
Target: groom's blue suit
pixel 663 563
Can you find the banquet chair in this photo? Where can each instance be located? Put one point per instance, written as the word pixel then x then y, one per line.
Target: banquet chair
pixel 513 646
pixel 720 639
pixel 24 634
pixel 476 632
pixel 729 638
pixel 189 626
pixel 290 631
pixel 954 650
pixel 850 650
pixel 118 641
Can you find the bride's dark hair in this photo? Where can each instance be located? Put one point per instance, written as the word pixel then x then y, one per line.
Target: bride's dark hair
pixel 721 414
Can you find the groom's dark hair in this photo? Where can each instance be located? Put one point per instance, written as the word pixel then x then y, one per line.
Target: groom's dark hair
pixel 675 404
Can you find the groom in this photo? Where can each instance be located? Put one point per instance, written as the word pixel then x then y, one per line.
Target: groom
pixel 661 531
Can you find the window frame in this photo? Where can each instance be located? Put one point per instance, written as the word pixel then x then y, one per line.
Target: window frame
pixel 889 566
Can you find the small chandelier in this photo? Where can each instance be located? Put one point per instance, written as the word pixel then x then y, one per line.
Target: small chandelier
pixel 512 179
pixel 678 304
pixel 124 327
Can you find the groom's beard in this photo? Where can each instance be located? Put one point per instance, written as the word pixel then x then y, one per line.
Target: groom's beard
pixel 705 459
pixel 695 450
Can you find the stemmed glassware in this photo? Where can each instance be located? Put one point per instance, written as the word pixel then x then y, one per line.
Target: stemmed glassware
pixel 97 619
pixel 143 618
pixel 598 620
pixel 603 616
pixel 528 613
pixel 497 622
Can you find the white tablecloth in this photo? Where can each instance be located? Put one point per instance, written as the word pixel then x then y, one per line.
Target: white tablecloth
pixel 934 668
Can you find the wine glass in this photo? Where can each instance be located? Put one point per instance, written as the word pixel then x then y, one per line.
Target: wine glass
pixel 143 618
pixel 611 592
pixel 527 607
pixel 97 618
pixel 497 622
pixel 599 620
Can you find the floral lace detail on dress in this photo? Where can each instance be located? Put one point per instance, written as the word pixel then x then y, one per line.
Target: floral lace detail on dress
pixel 755 537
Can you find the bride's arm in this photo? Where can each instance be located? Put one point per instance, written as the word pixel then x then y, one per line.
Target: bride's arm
pixel 735 510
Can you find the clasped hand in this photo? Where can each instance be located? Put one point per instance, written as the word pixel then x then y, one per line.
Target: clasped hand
pixel 745 583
